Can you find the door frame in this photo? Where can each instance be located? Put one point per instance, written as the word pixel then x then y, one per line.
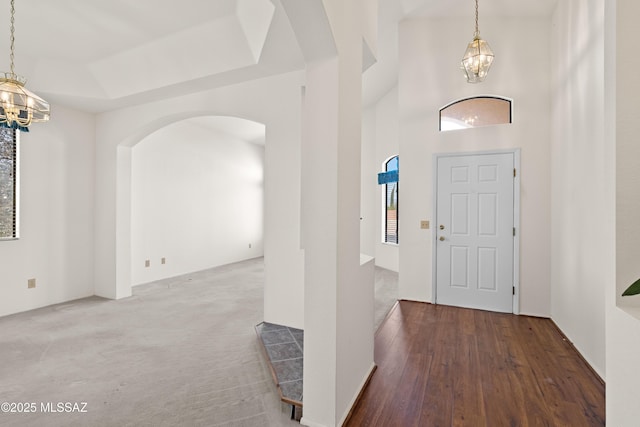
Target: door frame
pixel 516 219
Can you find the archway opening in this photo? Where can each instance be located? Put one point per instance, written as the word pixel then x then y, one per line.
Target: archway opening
pixel 196 196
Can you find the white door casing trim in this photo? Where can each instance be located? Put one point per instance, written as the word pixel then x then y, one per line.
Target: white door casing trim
pixel 516 219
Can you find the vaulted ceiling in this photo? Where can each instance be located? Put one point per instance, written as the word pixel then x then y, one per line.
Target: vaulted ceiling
pixel 97 55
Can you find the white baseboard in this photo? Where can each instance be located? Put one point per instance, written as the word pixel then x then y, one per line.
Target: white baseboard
pixel 310 423
pixel 364 382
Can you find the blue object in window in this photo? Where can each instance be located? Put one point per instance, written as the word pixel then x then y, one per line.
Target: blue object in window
pixel 387 177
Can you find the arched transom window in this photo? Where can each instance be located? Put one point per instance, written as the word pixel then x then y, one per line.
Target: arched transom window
pixel 475 112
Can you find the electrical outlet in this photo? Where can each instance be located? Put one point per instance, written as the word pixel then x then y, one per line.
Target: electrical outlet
pixel 147 263
pixel 31 283
pixel 424 225
pixel 163 260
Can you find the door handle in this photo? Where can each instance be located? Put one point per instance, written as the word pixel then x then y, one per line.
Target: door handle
pixel 442 238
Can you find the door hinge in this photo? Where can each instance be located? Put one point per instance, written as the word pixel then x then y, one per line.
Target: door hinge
pixel 514 290
pixel 514 172
pixel 514 231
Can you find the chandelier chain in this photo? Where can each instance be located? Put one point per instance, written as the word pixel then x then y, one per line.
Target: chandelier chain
pixel 19 107
pixel 476 34
pixel 12 38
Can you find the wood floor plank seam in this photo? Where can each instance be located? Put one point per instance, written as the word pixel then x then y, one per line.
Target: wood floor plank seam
pixel 448 366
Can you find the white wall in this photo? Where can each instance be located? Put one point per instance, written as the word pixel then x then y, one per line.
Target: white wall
pixel 56 215
pixel 623 127
pixel 387 146
pixel 369 199
pixel 197 201
pixel 338 309
pixel 379 143
pixel 273 101
pixel 582 233
pixel 429 78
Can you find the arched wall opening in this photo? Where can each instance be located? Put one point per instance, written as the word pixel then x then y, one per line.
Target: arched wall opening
pixel 130 243
pixel 197 196
pixel 275 102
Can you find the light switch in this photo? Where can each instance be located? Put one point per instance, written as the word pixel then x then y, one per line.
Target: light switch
pixel 424 225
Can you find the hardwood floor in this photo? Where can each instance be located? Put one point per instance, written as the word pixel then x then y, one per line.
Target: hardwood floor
pixel 448 366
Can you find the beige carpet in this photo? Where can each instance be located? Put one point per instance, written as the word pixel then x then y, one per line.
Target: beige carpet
pixel 180 352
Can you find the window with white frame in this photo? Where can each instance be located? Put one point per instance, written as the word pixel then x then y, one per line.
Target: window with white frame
pixel 8 183
pixel 389 180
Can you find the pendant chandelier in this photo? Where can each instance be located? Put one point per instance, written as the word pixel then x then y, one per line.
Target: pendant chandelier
pixel 477 58
pixel 19 107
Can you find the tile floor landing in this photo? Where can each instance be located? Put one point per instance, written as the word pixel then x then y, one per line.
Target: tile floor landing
pixel 284 348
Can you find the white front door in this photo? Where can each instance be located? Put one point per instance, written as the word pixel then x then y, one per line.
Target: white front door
pixel 475 229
